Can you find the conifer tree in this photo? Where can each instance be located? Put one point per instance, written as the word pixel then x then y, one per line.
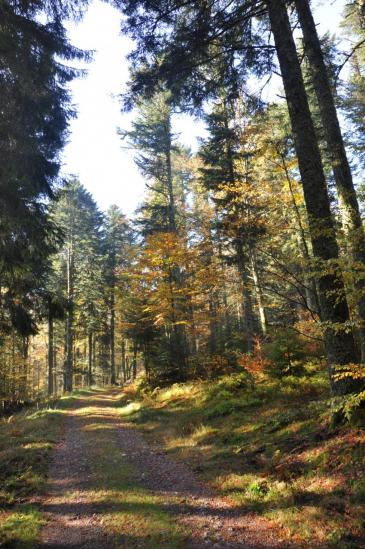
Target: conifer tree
pixel 152 136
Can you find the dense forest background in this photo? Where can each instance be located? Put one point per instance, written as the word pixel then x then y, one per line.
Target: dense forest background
pixel 245 257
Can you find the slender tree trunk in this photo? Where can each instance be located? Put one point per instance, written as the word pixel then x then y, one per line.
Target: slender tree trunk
pixel 258 291
pixel 68 374
pixel 134 368
pixel 339 341
pixel 349 206
pixel 178 339
pixel 170 187
pixel 227 318
pixel 112 337
pixel 248 315
pixel 55 380
pixel 193 335
pixel 90 358
pixel 310 285
pixel 124 372
pixel 50 350
pixel 93 366
pixel 212 328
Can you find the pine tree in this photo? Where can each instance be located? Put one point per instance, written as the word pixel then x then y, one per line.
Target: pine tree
pixel 152 136
pixel 349 206
pixel 117 237
pixel 79 267
pixel 35 109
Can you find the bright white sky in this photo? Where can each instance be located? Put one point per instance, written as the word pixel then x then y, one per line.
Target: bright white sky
pixel 95 152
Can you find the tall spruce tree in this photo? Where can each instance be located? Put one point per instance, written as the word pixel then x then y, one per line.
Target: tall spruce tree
pixel 152 137
pixel 349 206
pixel 79 271
pixel 118 236
pixel 35 109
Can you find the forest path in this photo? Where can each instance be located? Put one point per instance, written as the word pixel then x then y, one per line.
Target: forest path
pixel 108 488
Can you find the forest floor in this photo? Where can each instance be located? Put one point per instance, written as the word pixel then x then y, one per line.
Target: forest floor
pixel 177 469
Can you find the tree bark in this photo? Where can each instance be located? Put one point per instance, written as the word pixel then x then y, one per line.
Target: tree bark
pixel 258 291
pixel 247 312
pixel 349 206
pixel 68 370
pixel 339 341
pixel 134 367
pixel 112 337
pixel 90 359
pixel 124 372
pixel 178 339
pixel 310 285
pixel 50 350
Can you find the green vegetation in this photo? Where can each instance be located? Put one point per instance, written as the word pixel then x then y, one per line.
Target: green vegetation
pixel 26 443
pixel 269 447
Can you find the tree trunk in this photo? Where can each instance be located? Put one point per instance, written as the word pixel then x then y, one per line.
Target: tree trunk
pixel 50 350
pixel 68 371
pixel 90 359
pixel 349 206
pixel 247 313
pixel 124 372
pixel 258 291
pixel 310 284
pixel 339 341
pixel 178 339
pixel 112 337
pixel 134 368
pixel 212 328
pixel 170 188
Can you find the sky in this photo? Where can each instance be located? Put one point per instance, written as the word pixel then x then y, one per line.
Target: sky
pixel 94 152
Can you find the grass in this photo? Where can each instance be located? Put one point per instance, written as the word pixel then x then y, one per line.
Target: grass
pixel 26 442
pixel 269 448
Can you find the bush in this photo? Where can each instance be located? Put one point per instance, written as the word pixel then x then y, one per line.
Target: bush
pixel 285 354
pixel 222 408
pixel 211 366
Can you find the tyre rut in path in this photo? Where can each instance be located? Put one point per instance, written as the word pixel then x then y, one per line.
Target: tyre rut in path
pixel 74 520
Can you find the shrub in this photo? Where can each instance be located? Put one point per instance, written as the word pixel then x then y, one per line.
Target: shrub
pixel 285 354
pixel 222 408
pixel 349 404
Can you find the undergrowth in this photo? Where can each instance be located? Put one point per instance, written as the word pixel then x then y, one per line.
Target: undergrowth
pixel 26 441
pixel 269 446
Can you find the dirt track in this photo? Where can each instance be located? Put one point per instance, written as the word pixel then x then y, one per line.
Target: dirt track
pixel 76 517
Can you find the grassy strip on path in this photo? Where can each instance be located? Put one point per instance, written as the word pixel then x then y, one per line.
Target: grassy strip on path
pixel 269 448
pixel 134 515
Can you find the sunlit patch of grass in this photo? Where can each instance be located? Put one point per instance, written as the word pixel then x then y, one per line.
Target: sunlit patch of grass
pixel 130 409
pixel 37 446
pixel 20 528
pixel 98 427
